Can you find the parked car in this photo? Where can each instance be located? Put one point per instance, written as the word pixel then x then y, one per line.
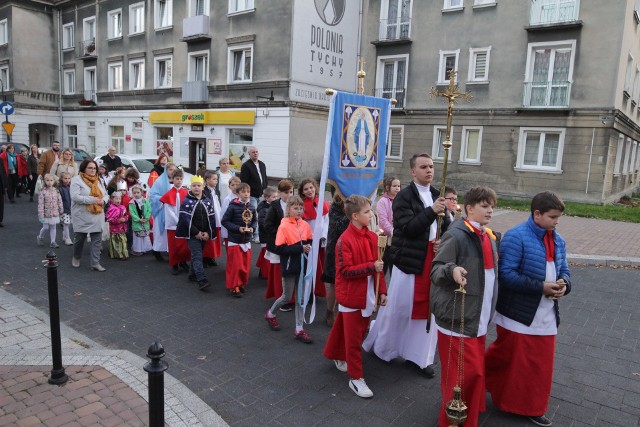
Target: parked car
pixel 143 165
pixel 79 155
pixel 18 146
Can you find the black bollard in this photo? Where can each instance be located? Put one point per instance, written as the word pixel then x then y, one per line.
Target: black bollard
pixel 156 369
pixel 58 375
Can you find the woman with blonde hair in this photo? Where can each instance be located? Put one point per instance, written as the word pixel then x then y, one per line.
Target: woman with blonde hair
pixel 65 163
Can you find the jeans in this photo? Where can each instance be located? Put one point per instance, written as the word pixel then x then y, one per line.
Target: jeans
pixel 253 202
pixel 196 269
pixel 94 250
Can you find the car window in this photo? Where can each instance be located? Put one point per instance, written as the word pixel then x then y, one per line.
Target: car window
pixel 126 162
pixel 143 165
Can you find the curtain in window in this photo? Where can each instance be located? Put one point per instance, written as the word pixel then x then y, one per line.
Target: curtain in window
pixel 472 145
pixel 162 13
pixel 531 148
pixel 550 149
pixel 247 65
pixel 162 73
pixel 442 135
pixel 392 19
pixel 199 7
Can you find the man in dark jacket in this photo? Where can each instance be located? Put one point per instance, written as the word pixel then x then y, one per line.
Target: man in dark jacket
pixel 111 160
pixel 401 327
pixel 254 173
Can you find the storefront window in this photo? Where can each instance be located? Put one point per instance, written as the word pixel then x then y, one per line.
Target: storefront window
pixel 239 142
pixel 164 141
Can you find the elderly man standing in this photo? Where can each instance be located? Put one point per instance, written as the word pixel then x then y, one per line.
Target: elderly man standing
pixel 48 158
pixel 111 160
pixel 254 173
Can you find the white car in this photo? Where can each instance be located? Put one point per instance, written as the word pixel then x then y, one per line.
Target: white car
pixel 144 166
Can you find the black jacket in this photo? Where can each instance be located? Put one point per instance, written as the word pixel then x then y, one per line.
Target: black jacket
pixel 232 221
pixel 111 164
pixel 262 209
pixel 338 223
pixel 249 174
pixel 272 221
pixel 411 222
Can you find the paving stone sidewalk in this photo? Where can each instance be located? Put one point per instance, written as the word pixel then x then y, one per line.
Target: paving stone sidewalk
pixel 105 387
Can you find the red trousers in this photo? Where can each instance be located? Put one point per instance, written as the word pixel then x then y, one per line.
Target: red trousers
pixel 345 341
pixel 178 249
pixel 238 265
pixel 473 387
pixel 520 372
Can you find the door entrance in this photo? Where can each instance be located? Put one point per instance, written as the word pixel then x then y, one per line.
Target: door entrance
pixel 197 155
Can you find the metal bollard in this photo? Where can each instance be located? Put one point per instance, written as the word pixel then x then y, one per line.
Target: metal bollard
pixel 156 369
pixel 58 376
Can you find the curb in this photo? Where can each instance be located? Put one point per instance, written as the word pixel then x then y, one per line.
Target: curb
pixel 604 260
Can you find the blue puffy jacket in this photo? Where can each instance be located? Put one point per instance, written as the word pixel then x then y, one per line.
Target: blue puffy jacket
pixel 522 269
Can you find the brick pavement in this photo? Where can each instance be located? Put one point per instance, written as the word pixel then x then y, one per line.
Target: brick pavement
pixel 221 349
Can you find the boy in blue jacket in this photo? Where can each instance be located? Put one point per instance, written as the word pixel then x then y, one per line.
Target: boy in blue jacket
pixel 533 275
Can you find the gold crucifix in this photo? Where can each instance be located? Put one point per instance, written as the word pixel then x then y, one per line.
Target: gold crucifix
pixel 452 94
pixel 361 75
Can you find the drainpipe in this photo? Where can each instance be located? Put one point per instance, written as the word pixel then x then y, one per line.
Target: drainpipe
pixel 593 137
pixel 360 13
pixel 60 75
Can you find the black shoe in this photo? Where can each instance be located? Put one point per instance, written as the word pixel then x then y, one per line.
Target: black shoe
pixel 203 284
pixel 158 256
pixel 17 195
pixel 287 307
pixel 213 263
pixel 12 201
pixel 184 266
pixel 541 421
pixel 236 292
pixel 243 290
pixel 1 225
pixel 192 278
pixel 428 372
pixel 31 199
pixel 175 270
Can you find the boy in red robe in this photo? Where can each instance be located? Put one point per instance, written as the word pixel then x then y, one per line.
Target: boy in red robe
pixel 357 265
pixel 178 250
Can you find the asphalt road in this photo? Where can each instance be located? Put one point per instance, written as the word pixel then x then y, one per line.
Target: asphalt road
pixel 222 349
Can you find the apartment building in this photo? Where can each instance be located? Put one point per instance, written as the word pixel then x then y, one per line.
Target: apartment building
pixel 199 79
pixel 556 87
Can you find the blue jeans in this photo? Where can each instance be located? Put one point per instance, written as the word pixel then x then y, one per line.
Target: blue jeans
pixel 253 202
pixel 196 269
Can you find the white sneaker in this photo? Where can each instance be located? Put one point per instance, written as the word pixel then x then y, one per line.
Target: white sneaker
pixel 360 388
pixel 68 242
pixel 54 245
pixel 341 365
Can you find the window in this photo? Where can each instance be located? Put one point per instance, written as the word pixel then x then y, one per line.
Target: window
pixel 479 64
pixel 549 74
pixel 549 12
pixel 540 149
pixel 163 13
pixel 137 145
pixel 394 143
pixel 391 78
pixel 636 86
pixel 114 23
pixel 67 36
pixel 91 144
pixel 448 62
pixel 4 77
pixel 480 3
pixel 198 67
pixel 136 74
pixel 240 63
pixel 117 137
pixel 72 135
pixel 632 163
pixel 439 136
pixel 625 161
pixel 452 5
pixel 4 32
pixel 198 7
pixel 240 5
pixel 619 151
pixel 164 141
pixel 137 126
pixel 115 76
pixel 162 71
pixel 239 142
pixel 69 82
pixel 627 78
pixel 136 18
pixel 395 19
pixel 471 144
pixel 89 29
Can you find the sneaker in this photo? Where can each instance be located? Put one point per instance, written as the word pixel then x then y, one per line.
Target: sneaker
pixel 39 241
pixel 287 307
pixel 203 284
pixel 98 267
pixel 75 262
pixel 272 321
pixel 360 388
pixel 303 336
pixel 341 365
pixel 54 245
pixel 541 420
pixel 68 242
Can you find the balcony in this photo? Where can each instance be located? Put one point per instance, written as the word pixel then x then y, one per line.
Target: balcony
pixel 553 13
pixel 397 93
pixel 89 98
pixel 393 32
pixel 195 28
pixel 546 94
pixel 88 49
pixel 195 92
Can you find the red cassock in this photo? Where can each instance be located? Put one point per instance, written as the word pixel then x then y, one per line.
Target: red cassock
pixel 320 291
pixel 473 389
pixel 238 265
pixel 345 341
pixel 213 247
pixel 520 371
pixel 263 264
pixel 178 249
pixel 274 282
pixel 422 287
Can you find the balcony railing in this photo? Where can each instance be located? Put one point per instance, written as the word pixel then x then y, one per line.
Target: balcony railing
pixel 397 93
pixel 195 28
pixel 89 98
pixel 547 94
pixel 394 30
pixel 197 91
pixel 550 12
pixel 88 49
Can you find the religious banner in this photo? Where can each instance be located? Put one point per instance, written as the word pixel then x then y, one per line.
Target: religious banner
pixel 357 143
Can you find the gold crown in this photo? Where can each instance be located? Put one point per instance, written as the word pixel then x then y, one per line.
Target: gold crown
pixel 197 178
